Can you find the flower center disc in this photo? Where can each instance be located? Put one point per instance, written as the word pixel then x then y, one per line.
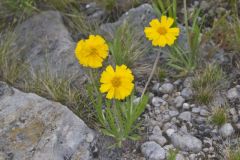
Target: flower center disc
pixel 162 30
pixel 116 82
pixel 93 51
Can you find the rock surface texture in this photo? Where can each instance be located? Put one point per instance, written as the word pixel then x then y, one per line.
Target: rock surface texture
pixel 47 44
pixel 186 142
pixel 153 151
pixel 33 128
pixel 138 17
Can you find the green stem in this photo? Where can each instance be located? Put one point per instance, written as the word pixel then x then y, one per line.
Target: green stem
pixel 186 22
pixel 92 80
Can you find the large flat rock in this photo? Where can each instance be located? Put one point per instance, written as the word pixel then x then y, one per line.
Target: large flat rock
pixel 47 45
pixel 34 128
pixel 138 18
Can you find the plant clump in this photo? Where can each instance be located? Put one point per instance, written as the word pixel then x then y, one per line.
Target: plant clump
pixel 207 83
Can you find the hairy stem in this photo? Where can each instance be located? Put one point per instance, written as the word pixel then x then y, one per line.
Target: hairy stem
pixel 151 75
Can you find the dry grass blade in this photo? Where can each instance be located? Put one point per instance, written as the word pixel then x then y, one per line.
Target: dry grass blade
pixel 127 47
pixel 60 89
pixel 207 83
pixel 219 116
pixel 11 66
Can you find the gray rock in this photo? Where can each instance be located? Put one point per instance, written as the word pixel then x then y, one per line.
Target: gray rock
pixel 219 100
pixel 166 88
pixel 192 156
pixel 206 150
pixel 168 147
pixel 208 142
pixel 153 151
pixel 90 137
pixel 179 101
pixel 158 139
pixel 47 42
pixel 221 57
pixel 3 156
pixel 170 132
pixel 5 90
pixel 165 118
pixel 185 116
pixel 237 126
pixel 173 113
pixel 226 130
pixel 137 100
pixel 177 82
pixel 188 82
pixel 196 110
pixel 165 96
pixel 150 95
pixel 139 17
pixel 220 11
pixel 156 87
pixel 184 129
pixel 186 142
pixel 187 93
pixel 156 130
pixel 233 111
pixel 204 5
pixel 180 157
pixel 35 128
pixel 233 93
pixel 186 106
pixel 204 112
pixel 94 12
pixel 157 101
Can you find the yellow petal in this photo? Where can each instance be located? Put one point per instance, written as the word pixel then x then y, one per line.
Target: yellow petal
pixel 150 33
pixel 169 22
pixel 78 49
pixel 105 77
pixel 103 51
pixel 162 41
pixel 174 31
pixel 118 94
pixel 164 20
pixel 110 94
pixel 155 23
pixel 105 87
pixel 94 61
pixel 121 68
pixel 170 39
pixel 109 69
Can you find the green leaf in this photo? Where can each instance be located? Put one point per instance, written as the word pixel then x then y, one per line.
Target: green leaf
pixel 134 137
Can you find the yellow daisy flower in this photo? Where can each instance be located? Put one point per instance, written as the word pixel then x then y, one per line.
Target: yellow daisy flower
pixel 92 51
pixel 118 84
pixel 161 33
